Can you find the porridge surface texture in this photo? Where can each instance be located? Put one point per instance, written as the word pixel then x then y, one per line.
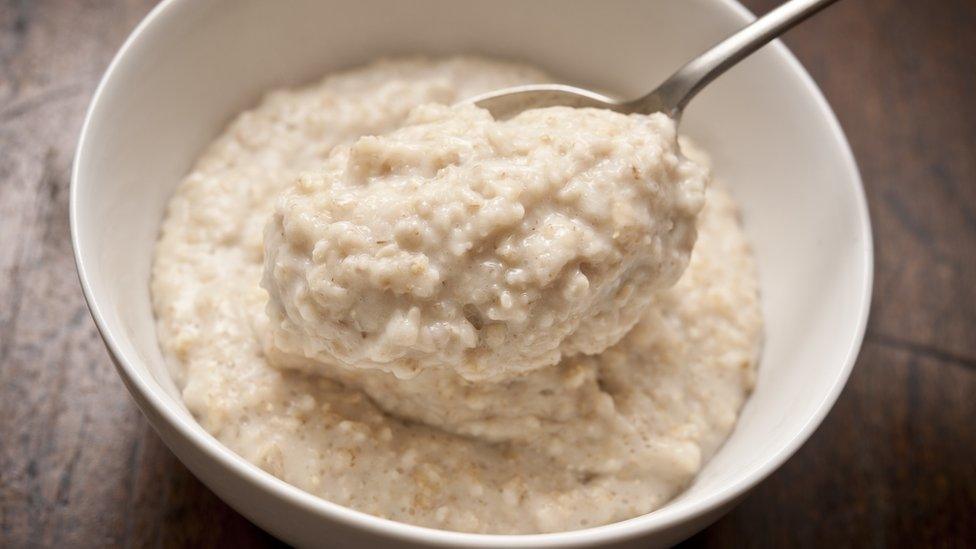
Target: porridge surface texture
pixel 592 439
pixel 490 248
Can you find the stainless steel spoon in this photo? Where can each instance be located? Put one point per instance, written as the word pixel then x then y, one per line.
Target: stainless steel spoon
pixel 673 94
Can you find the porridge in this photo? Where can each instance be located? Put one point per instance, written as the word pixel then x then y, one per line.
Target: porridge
pixel 517 338
pixel 488 248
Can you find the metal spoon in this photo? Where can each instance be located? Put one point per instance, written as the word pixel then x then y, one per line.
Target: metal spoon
pixel 673 94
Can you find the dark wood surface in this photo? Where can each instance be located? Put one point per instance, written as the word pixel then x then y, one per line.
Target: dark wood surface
pixel 893 464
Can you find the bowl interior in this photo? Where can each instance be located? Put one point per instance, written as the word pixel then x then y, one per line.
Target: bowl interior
pixel 193 65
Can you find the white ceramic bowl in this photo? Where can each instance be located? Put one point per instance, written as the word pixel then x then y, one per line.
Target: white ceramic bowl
pixel 192 64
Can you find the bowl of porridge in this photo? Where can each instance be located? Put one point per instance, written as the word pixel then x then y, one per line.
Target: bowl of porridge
pixel 364 314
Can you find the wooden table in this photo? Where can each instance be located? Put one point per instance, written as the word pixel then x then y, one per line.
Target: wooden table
pixel 894 463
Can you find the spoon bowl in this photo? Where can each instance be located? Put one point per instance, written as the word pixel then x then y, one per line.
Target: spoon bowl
pixel 508 102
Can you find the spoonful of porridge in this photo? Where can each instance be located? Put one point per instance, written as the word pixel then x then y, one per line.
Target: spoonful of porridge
pixel 672 95
pixel 487 247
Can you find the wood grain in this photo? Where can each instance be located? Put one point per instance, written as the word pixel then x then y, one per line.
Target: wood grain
pixel 893 463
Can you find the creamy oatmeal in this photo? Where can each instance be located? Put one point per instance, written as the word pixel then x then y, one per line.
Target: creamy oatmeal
pixel 489 248
pixel 495 344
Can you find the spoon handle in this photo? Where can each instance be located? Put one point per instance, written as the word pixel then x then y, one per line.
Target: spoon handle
pixel 675 92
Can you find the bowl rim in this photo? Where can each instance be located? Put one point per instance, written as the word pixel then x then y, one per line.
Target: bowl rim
pixel 142 385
